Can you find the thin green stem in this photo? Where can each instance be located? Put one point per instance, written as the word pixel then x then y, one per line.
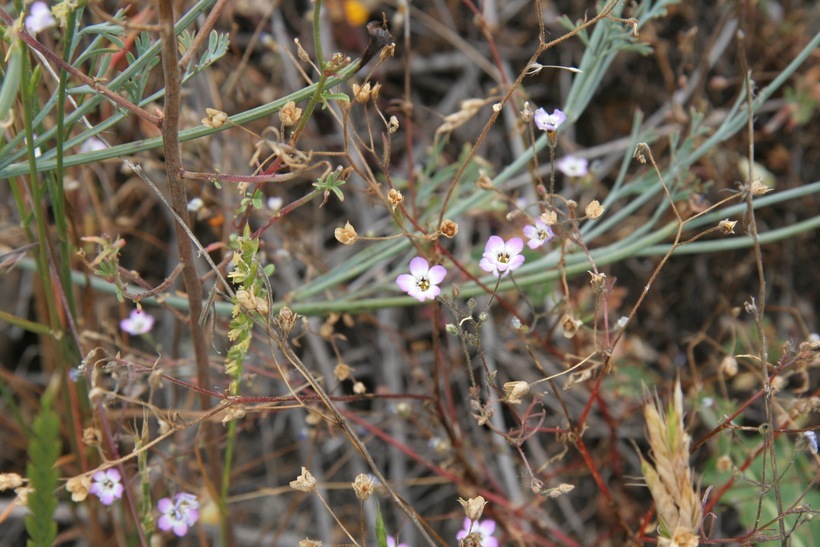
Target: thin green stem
pixel 323 74
pixel 56 188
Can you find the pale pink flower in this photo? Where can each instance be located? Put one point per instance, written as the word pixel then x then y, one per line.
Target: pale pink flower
pixel 139 322
pixel 40 18
pixel 500 257
pixel 422 281
pixel 573 166
pixel 178 515
pixel 549 122
pixel 107 486
pixel 538 234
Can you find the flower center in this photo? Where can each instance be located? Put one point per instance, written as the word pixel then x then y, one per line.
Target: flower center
pixel 423 284
pixel 503 257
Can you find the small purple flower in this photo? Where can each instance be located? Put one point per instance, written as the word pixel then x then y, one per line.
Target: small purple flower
pixel 391 542
pixel 178 515
pixel 40 18
pixel 107 486
pixel 500 257
pixel 549 122
pixel 484 528
pixel 139 322
pixel 573 166
pixel 538 234
pixel 422 281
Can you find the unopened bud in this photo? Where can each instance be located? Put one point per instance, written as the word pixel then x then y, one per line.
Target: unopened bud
pixel 527 113
pixel 393 125
pixel 728 366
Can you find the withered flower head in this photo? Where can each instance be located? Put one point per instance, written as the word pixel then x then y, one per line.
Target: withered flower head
pixel 448 228
pixel 363 486
pixel 216 118
pixel 305 482
pixel 473 507
pixel 346 235
pixel 290 114
pixel 514 391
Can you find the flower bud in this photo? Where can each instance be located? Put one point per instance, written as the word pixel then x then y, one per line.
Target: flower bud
pixel 728 366
pixel 342 371
pixel 527 113
pixel 393 125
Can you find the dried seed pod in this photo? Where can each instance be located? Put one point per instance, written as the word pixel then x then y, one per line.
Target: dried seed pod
pixel 380 37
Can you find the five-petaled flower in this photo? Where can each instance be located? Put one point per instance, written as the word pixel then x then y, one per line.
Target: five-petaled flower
pixel 107 486
pixel 40 18
pixel 422 281
pixel 178 514
pixel 573 166
pixel 484 529
pixel 549 122
pixel 139 322
pixel 538 234
pixel 500 257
